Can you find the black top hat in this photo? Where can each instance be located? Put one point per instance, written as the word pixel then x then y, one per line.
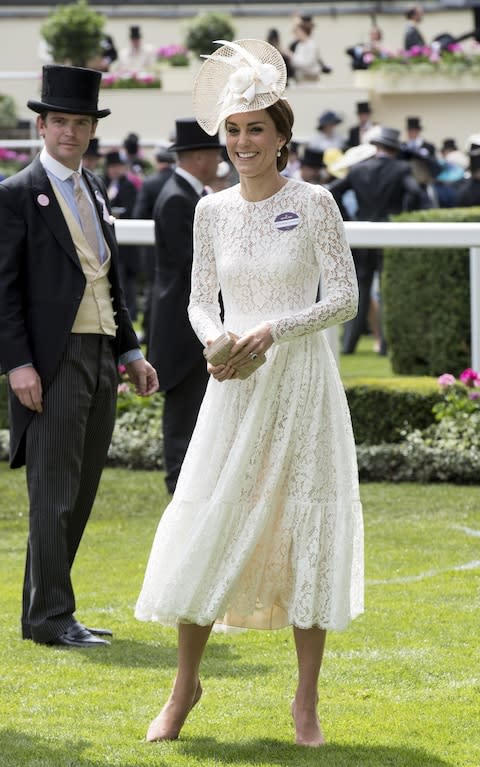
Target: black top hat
pixel 313 158
pixel 449 145
pixel 114 158
pixel 135 33
pixel 131 143
pixel 414 123
pixel 328 118
pixel 363 108
pixel 92 149
pixel 163 154
pixel 73 90
pixel 388 137
pixel 189 135
pixel 428 158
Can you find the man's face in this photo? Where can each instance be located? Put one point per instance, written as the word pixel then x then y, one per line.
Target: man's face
pixel 115 171
pixel 207 164
pixel 66 136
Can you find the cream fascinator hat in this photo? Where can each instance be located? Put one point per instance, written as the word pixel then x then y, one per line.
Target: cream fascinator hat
pixel 241 76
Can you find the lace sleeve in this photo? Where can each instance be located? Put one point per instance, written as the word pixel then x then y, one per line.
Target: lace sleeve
pixel 204 308
pixel 339 286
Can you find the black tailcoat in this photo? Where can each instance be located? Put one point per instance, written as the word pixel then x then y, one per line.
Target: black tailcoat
pixel 173 348
pixel 42 283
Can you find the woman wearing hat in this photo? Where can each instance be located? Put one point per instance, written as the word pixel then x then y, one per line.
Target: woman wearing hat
pixel 264 529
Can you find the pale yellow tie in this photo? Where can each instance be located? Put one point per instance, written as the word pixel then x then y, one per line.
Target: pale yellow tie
pixel 86 213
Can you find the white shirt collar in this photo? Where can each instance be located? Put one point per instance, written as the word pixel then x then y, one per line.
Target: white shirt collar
pixel 56 168
pixel 192 180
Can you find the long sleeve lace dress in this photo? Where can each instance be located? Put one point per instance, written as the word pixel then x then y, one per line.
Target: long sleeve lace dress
pixel 265 527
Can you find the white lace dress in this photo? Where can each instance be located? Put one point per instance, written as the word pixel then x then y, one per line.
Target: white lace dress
pixel 265 526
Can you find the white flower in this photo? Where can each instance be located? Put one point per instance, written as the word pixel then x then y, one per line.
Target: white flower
pixel 241 80
pixel 247 82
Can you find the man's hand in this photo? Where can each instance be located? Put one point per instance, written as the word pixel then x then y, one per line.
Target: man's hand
pixel 27 387
pixel 143 376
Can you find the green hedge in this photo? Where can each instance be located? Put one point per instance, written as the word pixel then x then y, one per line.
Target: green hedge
pixel 382 409
pixel 426 302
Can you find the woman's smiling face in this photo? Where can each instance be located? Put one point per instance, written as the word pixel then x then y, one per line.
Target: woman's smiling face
pixel 253 142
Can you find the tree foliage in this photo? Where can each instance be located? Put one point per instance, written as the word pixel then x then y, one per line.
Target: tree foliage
pixel 73 33
pixel 206 28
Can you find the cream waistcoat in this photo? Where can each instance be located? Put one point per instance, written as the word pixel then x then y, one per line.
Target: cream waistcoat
pixel 95 313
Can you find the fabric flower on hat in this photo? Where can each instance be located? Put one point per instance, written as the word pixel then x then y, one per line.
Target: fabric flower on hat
pixel 247 82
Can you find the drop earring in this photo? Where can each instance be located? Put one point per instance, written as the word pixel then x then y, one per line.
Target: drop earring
pixel 279 152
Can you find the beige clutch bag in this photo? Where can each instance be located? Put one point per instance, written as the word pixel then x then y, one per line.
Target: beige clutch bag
pixel 218 353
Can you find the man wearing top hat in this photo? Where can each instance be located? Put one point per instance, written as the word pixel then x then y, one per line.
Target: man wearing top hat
pixel 174 349
pixel 138 56
pixel 468 192
pixel 143 209
pixel 415 139
pixel 122 194
pixel 312 166
pixel 383 186
pixel 63 328
pixel 91 158
pixel 359 133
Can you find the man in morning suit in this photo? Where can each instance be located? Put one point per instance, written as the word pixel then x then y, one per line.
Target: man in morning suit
pixel 174 349
pixel 63 328
pixel 143 209
pixel 383 186
pixel 359 133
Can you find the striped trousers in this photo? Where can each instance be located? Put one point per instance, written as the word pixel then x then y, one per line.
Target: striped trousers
pixel 66 449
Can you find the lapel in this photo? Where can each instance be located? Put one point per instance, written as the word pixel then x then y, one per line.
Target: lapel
pixel 45 202
pixel 101 203
pixel 184 185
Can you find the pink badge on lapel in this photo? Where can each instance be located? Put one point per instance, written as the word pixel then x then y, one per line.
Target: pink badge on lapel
pixel 43 200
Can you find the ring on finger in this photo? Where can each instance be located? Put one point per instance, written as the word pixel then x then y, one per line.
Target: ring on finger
pixel 253 355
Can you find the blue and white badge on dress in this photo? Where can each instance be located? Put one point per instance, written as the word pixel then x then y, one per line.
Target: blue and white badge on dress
pixel 286 221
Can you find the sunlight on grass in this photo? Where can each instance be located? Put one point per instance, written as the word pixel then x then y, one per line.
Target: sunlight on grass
pixel 364 362
pixel 399 688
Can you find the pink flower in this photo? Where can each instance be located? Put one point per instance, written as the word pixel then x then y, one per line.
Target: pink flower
pixel 446 380
pixel 123 388
pixel 122 369
pixel 108 80
pixel 470 377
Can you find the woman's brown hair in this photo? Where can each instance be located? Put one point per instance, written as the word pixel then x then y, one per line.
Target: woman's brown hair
pixel 282 116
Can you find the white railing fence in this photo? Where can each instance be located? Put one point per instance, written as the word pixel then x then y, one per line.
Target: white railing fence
pixel 365 234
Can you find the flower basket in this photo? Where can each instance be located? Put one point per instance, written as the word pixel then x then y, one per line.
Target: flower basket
pixel 173 55
pixel 420 61
pixel 131 80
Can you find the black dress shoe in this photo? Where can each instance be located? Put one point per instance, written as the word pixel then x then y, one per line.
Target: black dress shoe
pixel 27 633
pixel 78 636
pixel 99 632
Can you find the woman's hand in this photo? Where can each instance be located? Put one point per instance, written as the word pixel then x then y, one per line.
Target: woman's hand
pixel 255 341
pixel 221 372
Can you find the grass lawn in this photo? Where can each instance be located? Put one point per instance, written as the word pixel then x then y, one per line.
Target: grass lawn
pixel 364 362
pixel 399 688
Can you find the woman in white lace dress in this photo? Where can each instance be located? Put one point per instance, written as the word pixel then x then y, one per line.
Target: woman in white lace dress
pixel 265 527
